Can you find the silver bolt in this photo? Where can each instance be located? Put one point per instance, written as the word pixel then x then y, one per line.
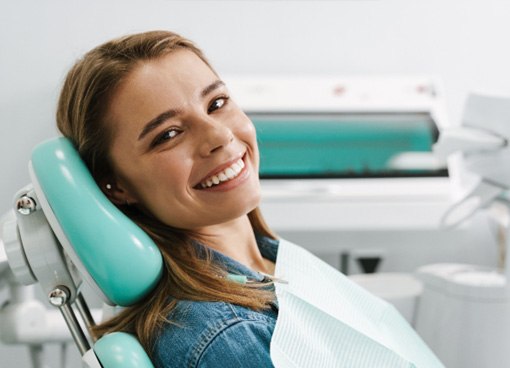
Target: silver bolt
pixel 25 205
pixel 59 296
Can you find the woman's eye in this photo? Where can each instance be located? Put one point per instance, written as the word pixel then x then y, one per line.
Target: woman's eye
pixel 218 103
pixel 165 136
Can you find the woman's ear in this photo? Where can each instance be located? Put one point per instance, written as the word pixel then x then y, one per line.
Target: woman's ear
pixel 115 193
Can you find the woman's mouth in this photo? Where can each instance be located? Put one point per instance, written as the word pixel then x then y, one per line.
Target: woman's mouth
pixel 223 176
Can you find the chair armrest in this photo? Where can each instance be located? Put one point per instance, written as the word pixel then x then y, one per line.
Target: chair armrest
pixel 121 350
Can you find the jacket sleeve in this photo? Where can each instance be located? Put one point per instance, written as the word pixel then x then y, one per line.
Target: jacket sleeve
pixel 244 344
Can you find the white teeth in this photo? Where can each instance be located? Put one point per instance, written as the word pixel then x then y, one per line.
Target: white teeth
pixel 230 173
pixel 237 169
pixel 227 174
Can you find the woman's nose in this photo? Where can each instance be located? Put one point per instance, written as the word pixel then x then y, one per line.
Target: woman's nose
pixel 215 136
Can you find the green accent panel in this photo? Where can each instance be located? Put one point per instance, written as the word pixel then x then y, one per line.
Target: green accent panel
pixel 121 350
pixel 120 257
pixel 337 147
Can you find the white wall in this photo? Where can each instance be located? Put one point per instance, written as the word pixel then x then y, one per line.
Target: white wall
pixel 463 42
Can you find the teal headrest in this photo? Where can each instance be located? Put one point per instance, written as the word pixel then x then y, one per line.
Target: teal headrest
pixel 121 259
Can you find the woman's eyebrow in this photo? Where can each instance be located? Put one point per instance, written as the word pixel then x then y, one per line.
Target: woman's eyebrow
pixel 211 87
pixel 157 121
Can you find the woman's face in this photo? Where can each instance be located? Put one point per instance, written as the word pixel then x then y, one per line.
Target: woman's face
pixel 181 149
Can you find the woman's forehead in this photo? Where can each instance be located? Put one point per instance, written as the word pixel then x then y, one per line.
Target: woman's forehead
pixel 181 68
pixel 171 82
pixel 169 76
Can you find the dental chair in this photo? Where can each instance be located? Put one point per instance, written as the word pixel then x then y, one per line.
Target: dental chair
pixel 65 232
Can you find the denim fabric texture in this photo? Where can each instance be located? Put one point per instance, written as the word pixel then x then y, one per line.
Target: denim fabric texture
pixel 219 334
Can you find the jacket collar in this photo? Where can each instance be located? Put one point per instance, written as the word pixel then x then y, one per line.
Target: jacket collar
pixel 268 248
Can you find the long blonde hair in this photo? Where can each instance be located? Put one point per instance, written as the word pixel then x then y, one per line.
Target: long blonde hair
pixel 81 111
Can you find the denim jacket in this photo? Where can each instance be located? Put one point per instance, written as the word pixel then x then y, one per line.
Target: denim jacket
pixel 219 334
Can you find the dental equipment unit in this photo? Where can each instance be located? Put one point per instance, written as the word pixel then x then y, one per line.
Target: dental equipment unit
pixel 464 311
pixel 357 150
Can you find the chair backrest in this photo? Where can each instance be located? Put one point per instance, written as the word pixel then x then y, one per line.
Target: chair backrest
pixel 112 253
pixel 117 258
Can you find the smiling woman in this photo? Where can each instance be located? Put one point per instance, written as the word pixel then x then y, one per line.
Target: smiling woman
pixel 165 142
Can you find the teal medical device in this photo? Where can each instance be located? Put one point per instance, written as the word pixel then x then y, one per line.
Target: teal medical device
pixel 117 258
pixel 322 145
pixel 121 350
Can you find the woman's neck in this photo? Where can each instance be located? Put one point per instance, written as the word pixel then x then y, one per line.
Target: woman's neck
pixel 236 240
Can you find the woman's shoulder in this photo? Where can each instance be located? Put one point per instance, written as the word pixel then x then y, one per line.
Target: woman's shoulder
pixel 213 332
